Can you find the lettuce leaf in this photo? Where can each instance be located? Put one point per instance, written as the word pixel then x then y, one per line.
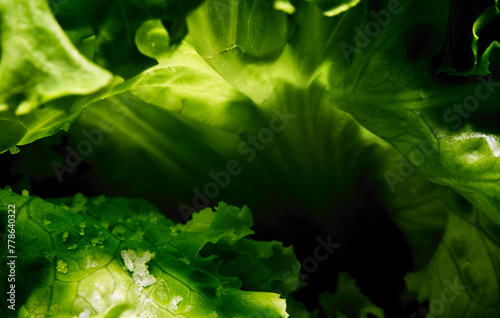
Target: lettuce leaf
pixel 83 256
pixel 388 85
pixel 348 301
pixel 110 29
pixel 249 108
pixel 462 276
pixel 48 66
pixel 39 64
pixel 455 247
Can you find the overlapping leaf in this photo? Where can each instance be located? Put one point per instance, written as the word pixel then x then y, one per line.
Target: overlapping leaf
pixel 88 258
pixel 386 81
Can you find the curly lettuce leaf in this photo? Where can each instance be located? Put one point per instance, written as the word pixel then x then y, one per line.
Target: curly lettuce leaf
pixel 188 122
pixel 255 48
pixel 260 130
pixel 47 63
pixel 384 79
pixel 230 107
pixel 174 114
pixel 462 276
pixel 183 135
pixel 348 301
pixel 112 28
pixel 38 62
pixel 260 265
pixel 454 248
pixel 105 256
pixel 215 98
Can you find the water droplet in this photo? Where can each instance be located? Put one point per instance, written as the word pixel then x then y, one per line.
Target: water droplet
pixel 172 306
pixel 98 240
pixel 62 267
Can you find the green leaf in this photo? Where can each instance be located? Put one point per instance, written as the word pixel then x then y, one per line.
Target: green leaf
pixel 348 301
pixel 389 87
pixel 244 52
pixel 38 62
pixel 105 256
pixel 266 82
pixel 462 277
pixel 46 121
pixel 454 245
pixel 470 39
pixel 39 67
pixel 181 111
pixel 419 208
pixel 114 24
pixel 261 266
pixel 482 47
